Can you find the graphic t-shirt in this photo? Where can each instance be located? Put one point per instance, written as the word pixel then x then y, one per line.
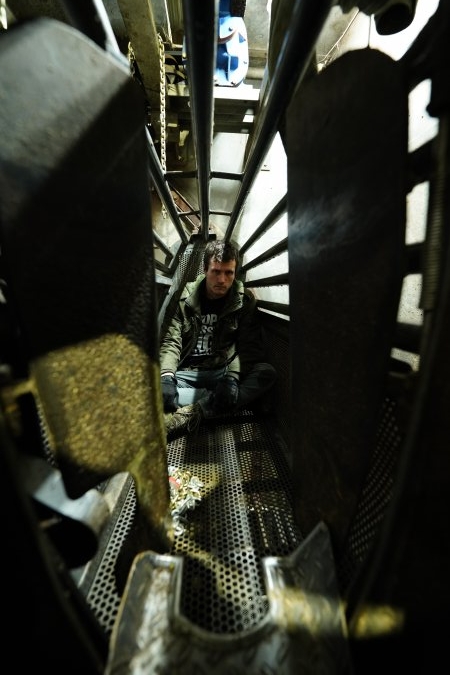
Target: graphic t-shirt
pixel 211 310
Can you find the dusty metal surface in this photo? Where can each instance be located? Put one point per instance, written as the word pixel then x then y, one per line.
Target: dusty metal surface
pixel 304 631
pixel 92 341
pixel 342 257
pixel 244 514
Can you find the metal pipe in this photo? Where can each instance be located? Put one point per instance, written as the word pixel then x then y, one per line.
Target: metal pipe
pixel 281 247
pixel 91 19
pixel 278 307
pixel 164 193
pixel 162 281
pixel 225 175
pixel 408 336
pixel 307 20
pixel 200 23
pixel 162 268
pixel 420 163
pixel 176 173
pixel 278 280
pixel 186 214
pixel 276 212
pixel 162 244
pixel 414 254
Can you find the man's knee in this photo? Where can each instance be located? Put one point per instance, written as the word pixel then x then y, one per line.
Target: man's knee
pixel 265 374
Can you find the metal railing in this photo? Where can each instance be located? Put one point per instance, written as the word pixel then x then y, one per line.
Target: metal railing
pixel 200 24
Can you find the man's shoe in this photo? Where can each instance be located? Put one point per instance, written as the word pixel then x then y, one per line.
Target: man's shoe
pixel 185 419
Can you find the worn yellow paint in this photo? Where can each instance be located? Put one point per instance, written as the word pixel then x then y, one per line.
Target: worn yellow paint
pixel 102 406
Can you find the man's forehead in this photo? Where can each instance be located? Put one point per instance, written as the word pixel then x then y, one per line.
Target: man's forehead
pixel 217 264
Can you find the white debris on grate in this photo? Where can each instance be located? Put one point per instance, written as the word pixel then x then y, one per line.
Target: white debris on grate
pixel 184 495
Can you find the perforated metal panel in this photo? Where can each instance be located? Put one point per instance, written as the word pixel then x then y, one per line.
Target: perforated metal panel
pixel 98 581
pixel 375 496
pixel 245 513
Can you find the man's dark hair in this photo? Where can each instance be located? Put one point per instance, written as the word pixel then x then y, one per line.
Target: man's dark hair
pixel 220 251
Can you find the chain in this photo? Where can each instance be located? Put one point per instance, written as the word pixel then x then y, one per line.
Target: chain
pixel 162 104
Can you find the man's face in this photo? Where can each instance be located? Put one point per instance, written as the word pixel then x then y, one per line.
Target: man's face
pixel 219 278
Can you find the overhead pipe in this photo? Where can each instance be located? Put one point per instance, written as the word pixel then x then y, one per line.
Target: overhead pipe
pixel 200 24
pixel 307 20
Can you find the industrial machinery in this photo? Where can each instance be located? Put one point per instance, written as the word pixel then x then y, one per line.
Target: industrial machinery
pixel 305 535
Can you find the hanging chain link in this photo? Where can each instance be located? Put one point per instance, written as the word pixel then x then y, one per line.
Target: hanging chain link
pixel 162 108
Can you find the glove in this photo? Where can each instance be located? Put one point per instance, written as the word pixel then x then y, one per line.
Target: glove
pixel 170 393
pixel 226 394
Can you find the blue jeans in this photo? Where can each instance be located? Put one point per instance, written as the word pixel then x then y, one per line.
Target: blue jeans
pixel 195 386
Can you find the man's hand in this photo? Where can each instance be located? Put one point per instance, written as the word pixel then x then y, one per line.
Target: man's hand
pixel 170 393
pixel 226 394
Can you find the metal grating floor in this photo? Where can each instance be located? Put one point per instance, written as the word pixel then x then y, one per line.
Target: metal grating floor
pixel 244 514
